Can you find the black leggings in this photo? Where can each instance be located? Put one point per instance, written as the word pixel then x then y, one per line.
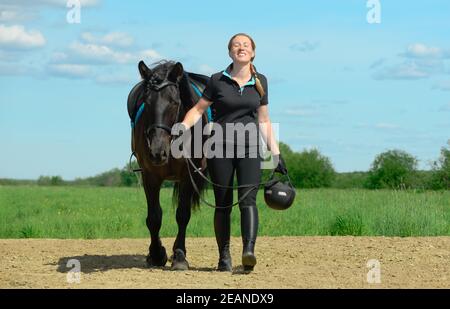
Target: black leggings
pixel 248 171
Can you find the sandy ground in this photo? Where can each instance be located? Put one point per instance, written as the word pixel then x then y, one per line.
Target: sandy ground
pixel 283 262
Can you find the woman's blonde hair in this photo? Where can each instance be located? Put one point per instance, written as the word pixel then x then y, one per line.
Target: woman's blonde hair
pixel 258 84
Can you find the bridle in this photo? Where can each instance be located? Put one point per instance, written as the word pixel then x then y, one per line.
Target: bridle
pixel 157 85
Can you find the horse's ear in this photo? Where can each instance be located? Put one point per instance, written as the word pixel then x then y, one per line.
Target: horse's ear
pixel 144 70
pixel 176 73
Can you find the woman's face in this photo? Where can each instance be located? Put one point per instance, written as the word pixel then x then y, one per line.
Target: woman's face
pixel 241 49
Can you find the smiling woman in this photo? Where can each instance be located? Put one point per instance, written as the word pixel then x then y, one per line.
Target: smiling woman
pixel 237 95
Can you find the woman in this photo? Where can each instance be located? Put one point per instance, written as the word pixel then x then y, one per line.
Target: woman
pixel 238 96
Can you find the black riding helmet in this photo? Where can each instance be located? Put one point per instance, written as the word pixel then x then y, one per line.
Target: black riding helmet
pixel 279 195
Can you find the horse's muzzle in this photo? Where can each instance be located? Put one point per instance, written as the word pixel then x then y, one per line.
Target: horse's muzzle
pixel 158 155
pixel 159 161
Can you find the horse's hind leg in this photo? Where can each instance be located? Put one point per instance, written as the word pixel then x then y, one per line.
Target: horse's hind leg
pixel 157 253
pixel 183 216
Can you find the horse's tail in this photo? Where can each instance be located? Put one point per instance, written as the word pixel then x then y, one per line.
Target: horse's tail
pixel 199 180
pixel 195 197
pixel 201 185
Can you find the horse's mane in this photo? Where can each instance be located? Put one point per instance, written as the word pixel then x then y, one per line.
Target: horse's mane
pixel 162 68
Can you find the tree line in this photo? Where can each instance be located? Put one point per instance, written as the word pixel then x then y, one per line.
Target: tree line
pixel 392 169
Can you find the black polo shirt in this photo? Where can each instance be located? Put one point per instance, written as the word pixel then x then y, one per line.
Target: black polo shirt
pixel 232 103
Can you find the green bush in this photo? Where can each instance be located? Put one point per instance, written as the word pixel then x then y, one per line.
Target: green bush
pixel 441 171
pixel 394 169
pixel 50 181
pixel 310 169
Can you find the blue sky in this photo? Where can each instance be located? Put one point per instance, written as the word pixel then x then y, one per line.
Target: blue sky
pixel 350 88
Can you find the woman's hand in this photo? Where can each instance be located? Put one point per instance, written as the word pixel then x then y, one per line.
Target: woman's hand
pixel 281 165
pixel 196 112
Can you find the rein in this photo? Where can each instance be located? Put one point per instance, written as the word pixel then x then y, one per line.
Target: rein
pixel 157 85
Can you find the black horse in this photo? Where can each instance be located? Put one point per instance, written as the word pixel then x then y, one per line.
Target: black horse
pixel 155 104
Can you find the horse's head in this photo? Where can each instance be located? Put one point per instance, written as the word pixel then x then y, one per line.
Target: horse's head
pixel 163 107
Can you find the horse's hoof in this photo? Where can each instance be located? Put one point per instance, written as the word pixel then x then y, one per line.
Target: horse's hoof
pixel 157 258
pixel 179 261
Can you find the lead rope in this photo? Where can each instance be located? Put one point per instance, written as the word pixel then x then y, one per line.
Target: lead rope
pixel 198 170
pixel 197 191
pixel 194 185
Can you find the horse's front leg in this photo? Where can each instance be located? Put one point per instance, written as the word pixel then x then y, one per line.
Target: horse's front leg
pixel 157 253
pixel 183 216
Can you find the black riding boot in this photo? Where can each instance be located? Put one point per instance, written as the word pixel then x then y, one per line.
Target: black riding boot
pixel 249 229
pixel 225 258
pixel 222 229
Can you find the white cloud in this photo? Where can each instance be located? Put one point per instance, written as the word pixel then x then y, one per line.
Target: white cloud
pixel 407 71
pixel 12 15
pixel 422 62
pixel 69 70
pixel 17 37
pixel 89 37
pixel 150 54
pixel 101 54
pixel 113 39
pixel 419 50
pixel 15 13
pixel 91 61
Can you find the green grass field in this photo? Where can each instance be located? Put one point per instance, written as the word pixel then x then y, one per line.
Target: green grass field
pixel 104 212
